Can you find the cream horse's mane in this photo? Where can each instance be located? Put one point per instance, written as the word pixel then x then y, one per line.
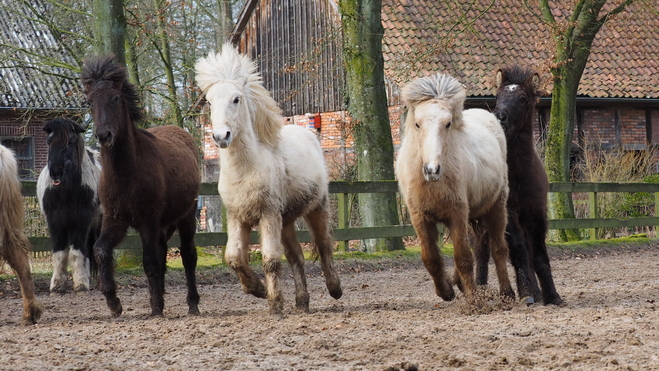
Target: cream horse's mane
pixel 231 66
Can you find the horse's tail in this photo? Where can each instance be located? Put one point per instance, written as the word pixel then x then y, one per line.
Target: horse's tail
pixel 12 213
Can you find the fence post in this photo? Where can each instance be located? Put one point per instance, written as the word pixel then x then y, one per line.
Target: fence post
pixel 656 213
pixel 343 217
pixel 593 212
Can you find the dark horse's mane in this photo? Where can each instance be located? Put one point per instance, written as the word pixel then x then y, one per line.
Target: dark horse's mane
pixel 104 69
pixel 521 76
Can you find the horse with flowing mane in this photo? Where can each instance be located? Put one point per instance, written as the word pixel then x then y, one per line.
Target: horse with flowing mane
pixel 517 92
pixel 67 190
pixel 14 245
pixel 149 181
pixel 270 175
pixel 451 169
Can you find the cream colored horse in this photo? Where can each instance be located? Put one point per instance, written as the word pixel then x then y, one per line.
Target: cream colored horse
pixel 452 169
pixel 14 245
pixel 270 175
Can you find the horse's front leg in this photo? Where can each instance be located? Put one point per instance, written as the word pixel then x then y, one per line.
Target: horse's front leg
pixel 464 259
pixel 60 249
pixel 153 261
pixel 271 248
pixel 236 256
pixel 112 233
pixel 80 259
pixel 427 232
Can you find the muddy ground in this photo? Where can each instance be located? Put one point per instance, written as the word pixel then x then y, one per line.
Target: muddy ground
pixel 388 316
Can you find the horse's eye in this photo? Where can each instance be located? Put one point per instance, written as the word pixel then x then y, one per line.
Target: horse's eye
pixel 236 100
pixel 417 125
pixel 449 124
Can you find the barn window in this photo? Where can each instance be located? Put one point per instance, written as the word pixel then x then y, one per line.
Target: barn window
pixel 23 148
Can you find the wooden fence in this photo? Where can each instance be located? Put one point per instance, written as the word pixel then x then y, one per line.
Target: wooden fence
pixel 343 234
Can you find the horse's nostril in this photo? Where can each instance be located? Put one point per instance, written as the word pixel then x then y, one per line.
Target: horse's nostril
pixel 228 135
pixel 502 117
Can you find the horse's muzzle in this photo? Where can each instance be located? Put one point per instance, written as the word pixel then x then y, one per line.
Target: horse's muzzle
pixel 432 174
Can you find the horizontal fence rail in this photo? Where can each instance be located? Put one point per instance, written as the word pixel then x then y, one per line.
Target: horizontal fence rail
pixel 343 234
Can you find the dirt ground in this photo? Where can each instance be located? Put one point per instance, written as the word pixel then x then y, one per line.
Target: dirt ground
pixel 388 318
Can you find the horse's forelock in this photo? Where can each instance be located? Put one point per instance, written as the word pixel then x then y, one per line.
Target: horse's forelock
pixel 105 69
pixel 227 65
pixel 519 75
pixel 437 86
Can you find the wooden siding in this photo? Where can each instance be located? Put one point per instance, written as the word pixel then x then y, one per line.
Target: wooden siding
pixel 297 47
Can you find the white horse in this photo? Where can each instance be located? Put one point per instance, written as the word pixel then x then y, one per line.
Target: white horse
pixel 270 175
pixel 452 169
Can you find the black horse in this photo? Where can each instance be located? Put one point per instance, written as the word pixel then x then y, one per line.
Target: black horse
pixel 68 195
pixel 517 93
pixel 150 181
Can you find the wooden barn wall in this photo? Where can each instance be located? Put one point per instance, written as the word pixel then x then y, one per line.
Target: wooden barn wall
pixel 297 47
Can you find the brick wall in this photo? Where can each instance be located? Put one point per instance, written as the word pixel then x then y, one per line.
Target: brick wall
pixel 598 126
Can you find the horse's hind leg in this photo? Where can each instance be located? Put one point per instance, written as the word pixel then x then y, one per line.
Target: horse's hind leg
pixel 186 229
pixel 16 255
pixel 495 222
pixel 481 245
pixel 318 222
pixel 111 234
pixel 427 232
pixel 295 258
pixel 236 256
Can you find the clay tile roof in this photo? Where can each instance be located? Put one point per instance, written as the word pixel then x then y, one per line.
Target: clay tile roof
pixel 422 36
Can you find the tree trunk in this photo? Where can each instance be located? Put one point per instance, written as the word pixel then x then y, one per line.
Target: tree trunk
pixel 166 57
pixel 367 105
pixel 110 28
pixel 573 42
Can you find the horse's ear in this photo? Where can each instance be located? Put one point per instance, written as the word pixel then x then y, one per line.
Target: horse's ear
pixel 498 79
pixel 47 128
pixel 78 128
pixel 535 80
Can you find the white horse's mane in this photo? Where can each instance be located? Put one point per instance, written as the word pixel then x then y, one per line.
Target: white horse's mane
pixel 437 86
pixel 231 66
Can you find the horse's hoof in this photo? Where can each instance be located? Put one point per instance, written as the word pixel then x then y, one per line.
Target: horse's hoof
pixel 193 311
pixel 34 314
pixel 156 313
pixel 115 307
pixel 276 314
pixel 527 300
pixel 508 294
pixel 555 301
pixel 81 289
pixel 447 293
pixel 336 292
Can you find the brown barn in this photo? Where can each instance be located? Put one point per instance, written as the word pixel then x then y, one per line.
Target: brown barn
pixel 297 45
pixel 32 91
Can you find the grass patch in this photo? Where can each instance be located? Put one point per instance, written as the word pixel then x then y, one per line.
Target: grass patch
pixel 637 239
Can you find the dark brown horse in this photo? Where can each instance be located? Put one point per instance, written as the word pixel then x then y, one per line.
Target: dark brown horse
pixel 517 92
pixel 149 181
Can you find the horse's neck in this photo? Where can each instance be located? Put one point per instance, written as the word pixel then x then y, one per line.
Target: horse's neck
pixel 242 156
pixel 121 158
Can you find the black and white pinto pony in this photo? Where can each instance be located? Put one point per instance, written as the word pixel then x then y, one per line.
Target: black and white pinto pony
pixel 517 92
pixel 451 169
pixel 270 174
pixel 14 245
pixel 67 190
